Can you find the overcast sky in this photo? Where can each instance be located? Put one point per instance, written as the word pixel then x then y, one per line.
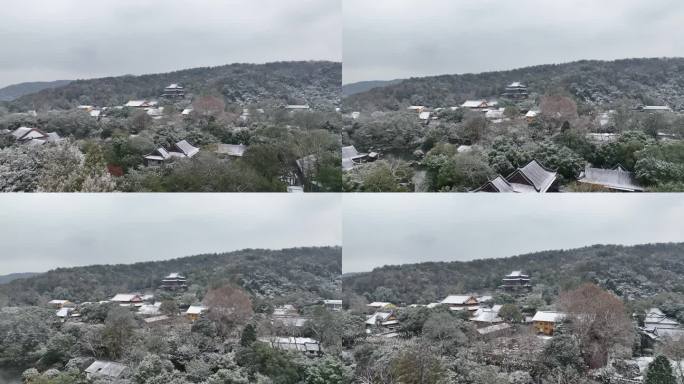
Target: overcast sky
pixel 382 229
pixel 389 39
pixel 75 39
pixel 39 232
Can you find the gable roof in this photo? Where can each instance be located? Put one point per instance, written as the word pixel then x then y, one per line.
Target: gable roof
pixel 26 133
pixel 187 149
pixel 617 178
pixel 538 175
pixel 548 316
pixel 195 309
pixel 458 299
pixel 106 368
pixel 126 297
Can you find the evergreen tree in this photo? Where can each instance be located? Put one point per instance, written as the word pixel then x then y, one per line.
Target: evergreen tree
pixel 660 372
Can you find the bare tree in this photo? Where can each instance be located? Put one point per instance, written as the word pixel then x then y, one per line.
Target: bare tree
pixel 228 307
pixel 209 106
pixel 601 322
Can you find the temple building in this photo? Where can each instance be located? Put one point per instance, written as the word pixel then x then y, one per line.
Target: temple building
pixel 174 91
pixel 174 281
pixel 533 177
pixel 516 90
pixel 617 179
pixel 515 281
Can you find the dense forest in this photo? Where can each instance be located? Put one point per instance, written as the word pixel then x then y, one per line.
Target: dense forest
pixel 651 81
pixel 631 272
pixel 264 273
pixel 315 82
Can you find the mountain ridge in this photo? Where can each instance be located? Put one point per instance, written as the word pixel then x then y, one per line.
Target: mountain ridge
pixel 639 80
pixel 260 271
pixel 288 82
pixel 630 271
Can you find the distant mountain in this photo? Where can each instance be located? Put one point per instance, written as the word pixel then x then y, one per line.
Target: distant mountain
pixel 14 276
pixel 631 272
pixel 14 91
pixel 648 81
pixel 363 86
pixel 300 272
pixel 318 83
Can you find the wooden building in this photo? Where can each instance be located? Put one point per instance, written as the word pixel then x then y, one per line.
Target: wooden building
pixel 545 322
pixel 532 178
pixel 516 281
pixel 174 281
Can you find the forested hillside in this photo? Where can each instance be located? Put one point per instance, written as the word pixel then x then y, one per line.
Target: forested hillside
pixel 363 86
pixel 649 81
pixel 14 91
pixel 304 82
pixel 263 273
pixel 4 279
pixel 631 272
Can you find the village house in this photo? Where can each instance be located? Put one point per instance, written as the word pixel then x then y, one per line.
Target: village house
pixel 142 104
pixel 515 281
pixel 516 90
pixel 531 115
pixel 64 313
pixel 379 304
pixel 495 115
pixel 34 136
pixel 487 316
pixel 545 322
pixel 194 312
pixel 385 319
pixel 305 345
pixel 533 177
pixel 461 303
pixel 234 150
pixel 617 179
pixel 657 326
pixel 106 369
pixel 58 304
pixel 150 309
pixel 350 157
pixel 479 104
pixel 128 299
pixel 174 281
pixel 155 113
pixel 186 112
pixel 182 149
pixel 416 108
pixel 174 91
pixel 333 305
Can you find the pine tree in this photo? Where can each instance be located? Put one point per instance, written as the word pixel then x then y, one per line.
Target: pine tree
pixel 660 372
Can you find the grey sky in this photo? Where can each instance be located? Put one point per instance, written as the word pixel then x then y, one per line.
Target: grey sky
pixel 382 229
pixel 43 231
pixel 74 39
pixel 388 39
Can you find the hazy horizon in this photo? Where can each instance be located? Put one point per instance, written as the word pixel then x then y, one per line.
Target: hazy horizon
pixel 386 39
pixel 68 40
pixel 395 229
pixel 86 229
